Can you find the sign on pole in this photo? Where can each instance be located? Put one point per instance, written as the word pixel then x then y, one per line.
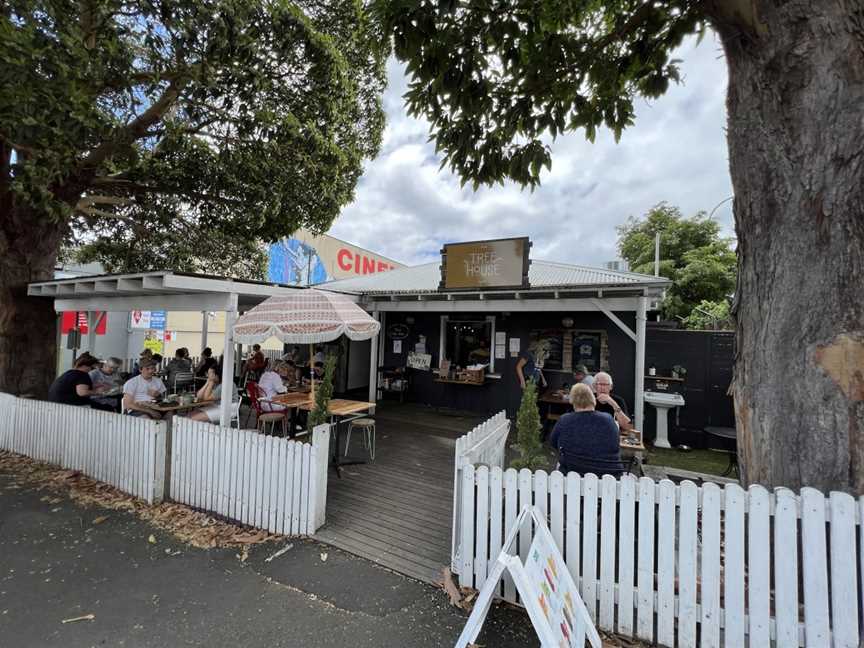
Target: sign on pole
pixel 545 587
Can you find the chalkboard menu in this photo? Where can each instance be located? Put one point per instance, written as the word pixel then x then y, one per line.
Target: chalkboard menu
pixel 586 350
pixel 547 346
pixel 563 349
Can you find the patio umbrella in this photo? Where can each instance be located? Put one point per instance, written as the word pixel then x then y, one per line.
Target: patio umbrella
pixel 306 317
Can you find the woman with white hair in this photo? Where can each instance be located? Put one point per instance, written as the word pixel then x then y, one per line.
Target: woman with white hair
pixel 105 378
pixel 586 441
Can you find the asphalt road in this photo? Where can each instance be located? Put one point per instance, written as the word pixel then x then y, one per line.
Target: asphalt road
pixel 56 565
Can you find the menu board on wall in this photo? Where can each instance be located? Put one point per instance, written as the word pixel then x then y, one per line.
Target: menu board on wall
pixel 586 350
pixel 563 349
pixel 547 347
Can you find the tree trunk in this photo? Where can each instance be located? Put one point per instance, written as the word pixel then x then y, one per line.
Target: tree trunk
pixel 28 326
pixel 796 147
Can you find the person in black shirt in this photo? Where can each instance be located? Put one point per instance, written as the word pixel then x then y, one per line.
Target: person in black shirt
pixel 207 361
pixel 608 402
pixel 75 386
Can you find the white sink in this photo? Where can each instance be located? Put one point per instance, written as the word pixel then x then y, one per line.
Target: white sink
pixel 663 402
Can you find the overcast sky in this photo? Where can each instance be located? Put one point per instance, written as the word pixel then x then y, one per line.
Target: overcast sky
pixel 405 208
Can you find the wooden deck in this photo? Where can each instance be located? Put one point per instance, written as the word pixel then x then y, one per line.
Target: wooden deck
pixel 397 511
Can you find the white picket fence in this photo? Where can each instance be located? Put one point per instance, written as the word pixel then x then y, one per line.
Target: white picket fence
pixel 269 483
pixel 123 451
pixel 684 565
pixel 484 445
pixel 262 481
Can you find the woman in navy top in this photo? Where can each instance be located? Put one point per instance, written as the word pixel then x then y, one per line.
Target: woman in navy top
pixel 587 441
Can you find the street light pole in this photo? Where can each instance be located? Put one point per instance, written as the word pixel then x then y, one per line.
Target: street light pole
pixel 725 200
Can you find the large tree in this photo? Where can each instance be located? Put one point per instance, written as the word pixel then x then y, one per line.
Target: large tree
pixel 700 263
pixel 171 134
pixel 494 76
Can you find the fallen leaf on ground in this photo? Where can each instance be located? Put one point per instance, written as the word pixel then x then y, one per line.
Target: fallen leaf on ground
pixel 324 556
pixel 100 519
pixel 187 525
pixel 151 539
pixel 244 554
pixel 86 617
pixel 450 587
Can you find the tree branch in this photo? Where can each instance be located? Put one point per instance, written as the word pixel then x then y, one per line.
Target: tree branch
pixel 135 129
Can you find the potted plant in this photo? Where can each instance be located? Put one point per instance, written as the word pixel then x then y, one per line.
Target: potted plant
pixel 679 372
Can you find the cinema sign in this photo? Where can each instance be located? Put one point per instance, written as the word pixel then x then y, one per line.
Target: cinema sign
pixel 484 265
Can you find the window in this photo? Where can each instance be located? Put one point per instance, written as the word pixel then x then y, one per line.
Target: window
pixel 468 340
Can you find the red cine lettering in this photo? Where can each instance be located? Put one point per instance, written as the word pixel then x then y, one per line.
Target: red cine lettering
pixel 341 257
pixel 368 265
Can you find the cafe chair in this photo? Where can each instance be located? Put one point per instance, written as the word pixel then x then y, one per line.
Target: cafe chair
pixel 183 380
pixel 367 425
pixel 263 417
pixel 235 413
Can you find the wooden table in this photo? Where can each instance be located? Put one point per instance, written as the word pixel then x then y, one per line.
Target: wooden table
pixel 290 399
pixel 173 409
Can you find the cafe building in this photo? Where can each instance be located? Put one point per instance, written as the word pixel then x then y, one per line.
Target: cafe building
pixel 453 331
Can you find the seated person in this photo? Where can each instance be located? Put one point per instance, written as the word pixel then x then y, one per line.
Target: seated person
pixel 105 378
pixel 256 362
pixel 212 390
pixel 74 387
pixel 581 375
pixel 178 364
pixel 319 355
pixel 610 403
pixel 144 388
pixel 207 361
pixel 586 441
pixel 288 371
pixel 270 383
pixel 317 371
pixel 136 368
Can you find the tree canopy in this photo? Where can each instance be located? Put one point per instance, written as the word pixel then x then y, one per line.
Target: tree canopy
pixel 494 76
pixel 692 254
pixel 179 134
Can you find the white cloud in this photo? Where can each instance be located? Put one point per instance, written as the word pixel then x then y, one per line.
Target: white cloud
pixel 405 208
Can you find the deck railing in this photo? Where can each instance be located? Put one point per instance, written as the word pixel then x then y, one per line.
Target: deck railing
pixel 683 565
pixel 484 445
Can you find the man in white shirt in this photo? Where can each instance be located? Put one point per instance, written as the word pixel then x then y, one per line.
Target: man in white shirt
pixel 143 388
pixel 271 384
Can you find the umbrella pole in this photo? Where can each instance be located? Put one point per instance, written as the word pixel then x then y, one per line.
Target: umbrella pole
pixel 312 371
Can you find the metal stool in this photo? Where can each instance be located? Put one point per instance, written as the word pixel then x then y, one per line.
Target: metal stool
pixel 368 427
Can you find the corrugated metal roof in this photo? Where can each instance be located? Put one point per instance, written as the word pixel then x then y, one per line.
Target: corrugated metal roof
pixel 542 274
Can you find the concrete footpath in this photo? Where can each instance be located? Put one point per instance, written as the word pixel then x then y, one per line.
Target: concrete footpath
pixel 56 565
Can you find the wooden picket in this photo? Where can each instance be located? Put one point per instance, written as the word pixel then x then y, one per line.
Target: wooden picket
pixel 259 480
pixel 115 449
pixel 484 445
pixel 682 565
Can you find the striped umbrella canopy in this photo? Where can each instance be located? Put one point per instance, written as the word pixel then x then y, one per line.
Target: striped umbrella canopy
pixel 305 317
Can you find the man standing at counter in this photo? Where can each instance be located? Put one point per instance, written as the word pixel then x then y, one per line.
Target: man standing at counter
pixel 527 369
